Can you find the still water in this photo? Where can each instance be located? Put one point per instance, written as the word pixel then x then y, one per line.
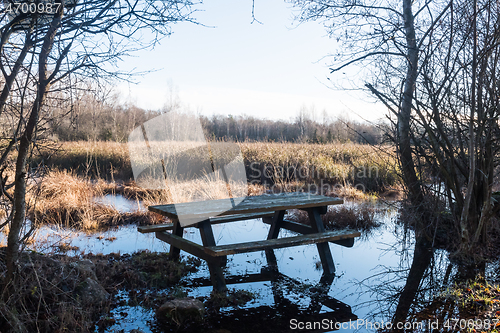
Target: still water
pixel 367 275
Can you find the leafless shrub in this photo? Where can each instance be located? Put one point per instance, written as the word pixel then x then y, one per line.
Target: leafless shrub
pixel 360 217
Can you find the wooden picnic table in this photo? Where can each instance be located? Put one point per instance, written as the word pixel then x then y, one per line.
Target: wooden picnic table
pixel 271 208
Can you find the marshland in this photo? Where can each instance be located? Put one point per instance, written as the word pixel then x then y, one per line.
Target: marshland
pixel 84 207
pixel 407 136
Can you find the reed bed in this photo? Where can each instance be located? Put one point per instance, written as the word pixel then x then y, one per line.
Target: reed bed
pixel 367 168
pixel 81 171
pixel 96 159
pixel 65 199
pixel 371 169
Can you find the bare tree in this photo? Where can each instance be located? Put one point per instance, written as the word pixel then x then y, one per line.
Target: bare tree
pixel 47 47
pixel 380 33
pixel 434 64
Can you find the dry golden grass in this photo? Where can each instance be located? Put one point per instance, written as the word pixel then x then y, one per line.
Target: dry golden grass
pixel 345 164
pixel 361 217
pixel 96 159
pixel 67 197
pixel 351 193
pixel 206 188
pixel 64 199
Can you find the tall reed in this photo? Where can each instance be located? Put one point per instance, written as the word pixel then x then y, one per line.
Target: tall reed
pixel 345 165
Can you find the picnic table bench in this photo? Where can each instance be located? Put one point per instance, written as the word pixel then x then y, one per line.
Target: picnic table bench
pixel 271 208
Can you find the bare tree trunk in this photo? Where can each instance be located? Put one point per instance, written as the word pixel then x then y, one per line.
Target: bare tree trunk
pixel 464 219
pixel 422 257
pixel 13 240
pixel 404 115
pixel 20 187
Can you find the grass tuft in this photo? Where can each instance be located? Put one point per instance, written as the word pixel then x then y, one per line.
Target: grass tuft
pixel 65 199
pixel 361 218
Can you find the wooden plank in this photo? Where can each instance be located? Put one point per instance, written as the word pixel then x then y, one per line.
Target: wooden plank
pixel 213 220
pixel 222 250
pixel 255 204
pixel 155 228
pixel 344 242
pixel 294 226
pixel 239 217
pixel 321 209
pixel 305 229
pixel 334 304
pixel 184 244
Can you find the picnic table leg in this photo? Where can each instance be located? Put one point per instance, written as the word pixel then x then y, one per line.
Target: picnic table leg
pixel 272 262
pixel 323 248
pixel 320 293
pixel 214 265
pixel 276 224
pixel 275 277
pixel 325 282
pixel 178 231
pixel 271 257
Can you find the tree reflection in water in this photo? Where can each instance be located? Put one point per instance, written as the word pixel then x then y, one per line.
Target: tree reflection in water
pixel 413 293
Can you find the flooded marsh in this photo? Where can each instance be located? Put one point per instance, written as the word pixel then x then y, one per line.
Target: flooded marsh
pixel 282 289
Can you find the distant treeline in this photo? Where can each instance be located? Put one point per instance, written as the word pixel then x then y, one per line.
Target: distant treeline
pixel 247 128
pixel 93 119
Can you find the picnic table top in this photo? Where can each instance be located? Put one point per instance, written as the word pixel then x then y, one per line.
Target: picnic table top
pixel 251 204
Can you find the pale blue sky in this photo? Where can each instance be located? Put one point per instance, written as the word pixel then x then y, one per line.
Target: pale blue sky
pixel 267 70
